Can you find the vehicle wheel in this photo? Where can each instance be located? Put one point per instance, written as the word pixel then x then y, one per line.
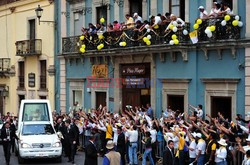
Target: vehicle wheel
pixel 59 159
pixel 20 160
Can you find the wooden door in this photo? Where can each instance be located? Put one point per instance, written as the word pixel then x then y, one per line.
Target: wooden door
pixel 32 26
pixel 131 97
pixel 100 99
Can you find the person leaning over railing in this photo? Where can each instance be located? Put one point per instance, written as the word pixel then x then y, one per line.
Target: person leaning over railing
pixel 180 22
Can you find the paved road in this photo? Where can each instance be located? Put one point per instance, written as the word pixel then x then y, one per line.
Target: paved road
pixel 79 160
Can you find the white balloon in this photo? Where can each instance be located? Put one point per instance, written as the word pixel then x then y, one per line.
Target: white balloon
pixel 175 23
pixel 209 35
pixel 207 31
pixel 185 32
pixel 148 30
pixel 149 37
pixel 175 29
pixel 237 17
pixel 240 24
pixel 120 43
pixel 147 26
pixel 171 42
pixel 223 23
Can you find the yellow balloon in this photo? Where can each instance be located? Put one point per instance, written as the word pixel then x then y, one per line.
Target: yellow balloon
pixel 145 39
pixel 212 28
pixel 82 50
pixel 102 20
pixel 196 26
pixel 102 45
pixel 227 17
pixel 199 21
pixel 174 36
pixel 99 47
pixel 235 23
pixel 176 42
pixel 171 26
pixel 148 42
pixel 83 46
pixel 156 27
pixel 100 37
pixel 82 38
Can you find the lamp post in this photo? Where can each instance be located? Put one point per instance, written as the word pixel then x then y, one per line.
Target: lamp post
pixel 39 12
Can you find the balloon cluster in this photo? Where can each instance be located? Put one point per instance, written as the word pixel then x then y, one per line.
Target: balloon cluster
pixel 235 22
pixel 173 26
pixel 209 30
pixel 147 40
pixel 100 46
pixel 174 40
pixel 197 24
pixel 82 48
pixel 123 44
pixel 81 38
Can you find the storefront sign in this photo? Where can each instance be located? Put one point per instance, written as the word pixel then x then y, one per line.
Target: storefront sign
pixel 133 70
pixel 100 71
pixel 133 81
pixel 32 79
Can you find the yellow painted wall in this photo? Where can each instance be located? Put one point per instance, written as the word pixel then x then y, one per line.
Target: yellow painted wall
pixel 14 27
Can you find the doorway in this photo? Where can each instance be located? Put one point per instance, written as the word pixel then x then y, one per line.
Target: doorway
pixel 101 12
pixel 20 98
pixel 32 35
pixel 101 99
pixel 135 7
pixel 176 102
pixel 222 105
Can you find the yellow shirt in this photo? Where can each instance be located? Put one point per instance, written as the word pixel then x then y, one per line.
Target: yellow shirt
pixel 131 22
pixel 109 132
pixel 181 143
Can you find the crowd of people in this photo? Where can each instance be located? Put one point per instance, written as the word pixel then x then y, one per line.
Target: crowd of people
pixel 136 23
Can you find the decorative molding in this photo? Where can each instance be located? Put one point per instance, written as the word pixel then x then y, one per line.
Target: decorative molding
pixel 162 57
pixel 233 49
pixel 205 53
pixel 219 52
pixel 175 80
pixel 105 60
pixel 184 54
pixel 173 56
pixel 76 79
pixel 12 9
pixel 51 70
pixel 91 60
pixel 220 80
pixel 51 1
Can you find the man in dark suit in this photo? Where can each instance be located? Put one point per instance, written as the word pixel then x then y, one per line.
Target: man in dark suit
pixel 91 152
pixel 60 127
pixel 121 145
pixel 71 137
pixel 12 128
pixel 7 134
pixel 168 154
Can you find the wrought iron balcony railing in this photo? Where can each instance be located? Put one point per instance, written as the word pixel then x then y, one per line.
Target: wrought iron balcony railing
pixel 43 82
pixel 21 81
pixel 131 37
pixel 29 47
pixel 4 65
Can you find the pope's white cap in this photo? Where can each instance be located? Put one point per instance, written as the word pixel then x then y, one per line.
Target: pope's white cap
pixel 135 14
pixel 201 7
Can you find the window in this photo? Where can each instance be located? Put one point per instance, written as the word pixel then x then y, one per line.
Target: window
pixel 77 97
pixel 43 79
pixel 20 98
pixel 38 129
pixel 222 105
pixel 135 7
pixel 35 112
pixel 21 74
pixel 176 102
pixel 177 7
pixel 101 12
pixel 32 35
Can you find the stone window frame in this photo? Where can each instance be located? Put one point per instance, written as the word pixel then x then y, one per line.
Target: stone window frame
pixel 172 86
pixel 220 87
pixel 76 85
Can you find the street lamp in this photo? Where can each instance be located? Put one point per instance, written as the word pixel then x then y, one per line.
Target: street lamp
pixel 39 12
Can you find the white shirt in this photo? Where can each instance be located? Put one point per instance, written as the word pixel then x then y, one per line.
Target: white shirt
pixel 139 18
pixel 153 135
pixel 132 136
pixel 115 135
pixel 228 11
pixel 157 20
pixel 203 14
pixel 221 154
pixel 192 154
pixel 180 22
pixel 214 12
pixel 199 112
pixel 201 146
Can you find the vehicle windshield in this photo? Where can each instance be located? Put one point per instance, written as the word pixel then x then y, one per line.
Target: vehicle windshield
pixel 35 112
pixel 38 129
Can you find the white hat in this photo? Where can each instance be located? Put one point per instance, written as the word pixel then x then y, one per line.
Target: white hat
pixel 201 7
pixel 222 142
pixel 171 15
pixel 198 135
pixel 135 14
pixel 110 145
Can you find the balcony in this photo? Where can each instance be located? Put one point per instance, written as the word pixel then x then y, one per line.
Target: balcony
pixel 160 41
pixel 43 84
pixel 29 47
pixel 4 65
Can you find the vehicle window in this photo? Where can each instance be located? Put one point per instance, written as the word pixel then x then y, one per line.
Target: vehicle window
pixel 38 129
pixel 35 112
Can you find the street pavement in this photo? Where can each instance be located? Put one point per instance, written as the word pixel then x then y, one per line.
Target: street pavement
pixel 79 159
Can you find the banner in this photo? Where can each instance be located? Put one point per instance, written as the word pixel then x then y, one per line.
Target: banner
pixel 194 36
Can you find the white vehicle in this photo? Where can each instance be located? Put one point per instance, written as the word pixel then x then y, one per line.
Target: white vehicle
pixel 36 133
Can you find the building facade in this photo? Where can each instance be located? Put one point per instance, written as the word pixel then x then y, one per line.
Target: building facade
pixel 214 72
pixel 27 53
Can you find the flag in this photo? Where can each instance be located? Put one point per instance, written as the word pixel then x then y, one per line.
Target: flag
pixel 194 36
